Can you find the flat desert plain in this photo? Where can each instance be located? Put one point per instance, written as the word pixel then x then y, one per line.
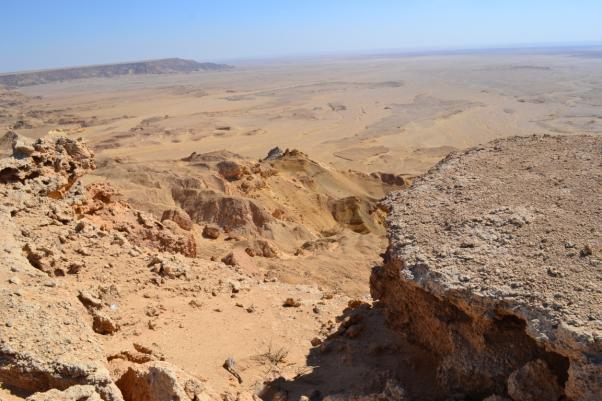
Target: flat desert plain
pixel 389 113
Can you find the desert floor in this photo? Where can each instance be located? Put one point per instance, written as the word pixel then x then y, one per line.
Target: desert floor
pixel 398 114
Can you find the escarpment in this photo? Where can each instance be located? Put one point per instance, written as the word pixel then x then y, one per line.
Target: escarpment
pixel 493 267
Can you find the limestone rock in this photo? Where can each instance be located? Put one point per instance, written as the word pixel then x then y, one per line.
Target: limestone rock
pixel 263 248
pixel 50 346
pixel 230 170
pixel 211 232
pixel 73 393
pixel 180 217
pixel 103 207
pixel 470 248
pixel 160 381
pixel 50 166
pixel 167 265
pixel 103 323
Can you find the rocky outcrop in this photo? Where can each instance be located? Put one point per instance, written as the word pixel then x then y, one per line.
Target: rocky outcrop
pixel 180 217
pixel 49 166
pixel 46 344
pixel 211 232
pixel 493 267
pixel 103 207
pixel 73 393
pixel 358 215
pixel 160 381
pixel 230 170
pixel 231 213
pixel 274 154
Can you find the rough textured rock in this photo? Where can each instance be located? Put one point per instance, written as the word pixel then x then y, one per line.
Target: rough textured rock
pixel 534 382
pixel 211 232
pixel 46 340
pixel 263 248
pixel 73 393
pixel 50 166
pixel 230 170
pixel 48 345
pixel 274 153
pixel 166 265
pixel 6 143
pixel 180 217
pixel 103 207
pixel 399 180
pixel 228 212
pixel 486 268
pixel 160 381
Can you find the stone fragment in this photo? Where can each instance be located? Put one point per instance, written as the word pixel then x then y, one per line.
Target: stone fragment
pixel 230 170
pixel 291 303
pixel 161 381
pixel 180 217
pixel 211 231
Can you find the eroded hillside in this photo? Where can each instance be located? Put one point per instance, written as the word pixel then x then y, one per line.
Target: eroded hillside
pixel 216 277
pixel 104 301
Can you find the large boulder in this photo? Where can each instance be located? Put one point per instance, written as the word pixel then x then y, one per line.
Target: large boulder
pixel 160 381
pixel 180 217
pixel 230 170
pixel 493 266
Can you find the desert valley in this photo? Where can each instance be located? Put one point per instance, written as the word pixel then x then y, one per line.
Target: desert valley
pixel 391 227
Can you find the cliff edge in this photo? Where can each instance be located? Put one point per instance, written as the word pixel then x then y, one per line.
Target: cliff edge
pixel 494 266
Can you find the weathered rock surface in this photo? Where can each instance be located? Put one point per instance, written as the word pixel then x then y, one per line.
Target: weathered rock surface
pixel 103 207
pixel 211 232
pixel 51 166
pixel 180 217
pixel 46 340
pixel 160 381
pixel 73 393
pixel 49 345
pixel 534 382
pixel 494 267
pixel 230 170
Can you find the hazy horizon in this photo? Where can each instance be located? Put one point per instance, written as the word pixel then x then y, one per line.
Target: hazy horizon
pixel 68 33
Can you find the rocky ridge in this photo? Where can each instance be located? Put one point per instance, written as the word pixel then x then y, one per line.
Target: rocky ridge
pixel 163 66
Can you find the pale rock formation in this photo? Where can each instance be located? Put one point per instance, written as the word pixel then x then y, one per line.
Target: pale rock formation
pixel 486 268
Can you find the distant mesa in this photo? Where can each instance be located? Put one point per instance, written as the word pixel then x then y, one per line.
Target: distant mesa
pixel 162 66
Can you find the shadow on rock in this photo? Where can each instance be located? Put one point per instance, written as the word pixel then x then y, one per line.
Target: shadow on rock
pixel 360 360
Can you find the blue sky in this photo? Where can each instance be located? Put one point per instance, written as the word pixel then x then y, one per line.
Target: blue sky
pixel 53 33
